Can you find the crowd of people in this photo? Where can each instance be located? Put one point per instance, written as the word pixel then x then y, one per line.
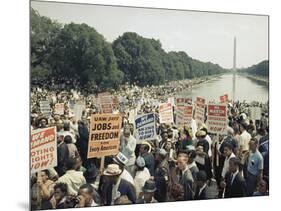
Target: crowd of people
pixel 183 163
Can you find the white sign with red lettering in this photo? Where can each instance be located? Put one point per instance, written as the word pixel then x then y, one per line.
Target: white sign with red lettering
pixel 224 98
pixel 184 115
pixel 166 113
pixel 183 101
pixel 59 108
pixel 200 110
pixel 217 118
pixel 43 147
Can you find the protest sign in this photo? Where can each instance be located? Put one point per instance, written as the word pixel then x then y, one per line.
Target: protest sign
pixel 217 118
pixel 145 127
pixel 199 110
pixel 184 115
pixel 79 107
pixel 180 101
pixel 166 113
pixel 59 108
pixel 171 100
pixel 224 98
pixel 45 108
pixel 255 113
pixel 105 100
pixel 104 135
pixel 43 149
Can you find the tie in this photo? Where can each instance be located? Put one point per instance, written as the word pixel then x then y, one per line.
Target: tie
pixel 231 177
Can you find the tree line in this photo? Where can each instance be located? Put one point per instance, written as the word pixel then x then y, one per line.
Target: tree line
pixel 79 51
pixel 260 69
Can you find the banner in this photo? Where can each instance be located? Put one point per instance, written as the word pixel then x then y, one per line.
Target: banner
pixel 255 113
pixel 166 113
pixel 105 100
pixel 217 118
pixel 224 98
pixel 45 108
pixel 43 149
pixel 199 110
pixel 184 115
pixel 59 108
pixel 181 101
pixel 145 127
pixel 104 135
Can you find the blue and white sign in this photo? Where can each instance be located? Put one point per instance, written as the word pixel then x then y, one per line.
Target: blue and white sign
pixel 145 127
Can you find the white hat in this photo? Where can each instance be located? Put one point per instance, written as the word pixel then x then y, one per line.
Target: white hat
pixel 112 170
pixel 140 161
pixel 120 158
pixel 162 152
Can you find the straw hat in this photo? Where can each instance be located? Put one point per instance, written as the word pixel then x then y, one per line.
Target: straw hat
pixel 112 170
pixel 149 145
pixel 200 133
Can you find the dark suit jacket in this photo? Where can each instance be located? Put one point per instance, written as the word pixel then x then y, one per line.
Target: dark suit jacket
pixel 188 187
pixel 125 188
pixel 237 188
pixel 203 194
pixel 62 155
pixel 149 162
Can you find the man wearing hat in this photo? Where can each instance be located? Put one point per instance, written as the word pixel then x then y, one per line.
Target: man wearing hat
pixel 164 138
pixel 161 176
pixel 148 193
pixel 142 174
pixel 120 159
pixel 145 152
pixel 116 187
pixel 42 122
pixel 201 137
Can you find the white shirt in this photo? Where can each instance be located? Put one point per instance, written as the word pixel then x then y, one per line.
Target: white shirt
pixel 73 179
pixel 233 176
pixel 140 178
pixel 245 138
pixel 226 165
pixel 194 128
pixel 201 189
pixel 208 138
pixel 129 149
pixel 127 176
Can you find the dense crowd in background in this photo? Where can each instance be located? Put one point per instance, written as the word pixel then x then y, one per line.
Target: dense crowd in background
pixel 183 163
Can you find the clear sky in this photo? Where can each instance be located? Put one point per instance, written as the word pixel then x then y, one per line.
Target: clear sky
pixel 204 36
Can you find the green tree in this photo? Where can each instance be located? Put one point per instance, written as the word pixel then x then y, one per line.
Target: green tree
pixel 80 51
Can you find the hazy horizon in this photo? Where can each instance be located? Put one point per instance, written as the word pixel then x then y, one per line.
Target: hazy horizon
pixel 205 36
